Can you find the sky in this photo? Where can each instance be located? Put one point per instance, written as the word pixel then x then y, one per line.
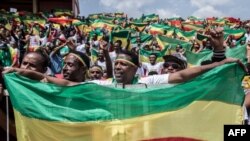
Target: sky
pixel 169 8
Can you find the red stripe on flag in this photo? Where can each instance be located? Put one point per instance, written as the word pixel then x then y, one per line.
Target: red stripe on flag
pixel 173 139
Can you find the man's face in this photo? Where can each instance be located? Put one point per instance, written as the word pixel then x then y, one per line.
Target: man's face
pixel 95 73
pixel 87 46
pixel 178 49
pixel 33 62
pixel 248 29
pixel 94 37
pixel 171 67
pixel 41 34
pixel 19 33
pixel 124 71
pixel 71 33
pixel 117 46
pixel 71 68
pixel 152 59
pixel 100 53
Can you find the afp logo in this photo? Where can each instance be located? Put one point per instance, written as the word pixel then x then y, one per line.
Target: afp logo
pixel 236 132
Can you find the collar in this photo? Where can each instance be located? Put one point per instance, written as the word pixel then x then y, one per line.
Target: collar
pixel 134 80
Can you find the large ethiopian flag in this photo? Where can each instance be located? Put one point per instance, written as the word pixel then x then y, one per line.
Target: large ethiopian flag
pixel 196 110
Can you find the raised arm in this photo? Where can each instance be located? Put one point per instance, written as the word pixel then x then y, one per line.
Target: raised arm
pixel 39 76
pixel 190 73
pixel 107 60
pixel 216 38
pixel 128 45
pixel 57 49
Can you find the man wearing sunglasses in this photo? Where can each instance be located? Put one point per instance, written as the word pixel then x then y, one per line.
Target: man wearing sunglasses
pixel 173 64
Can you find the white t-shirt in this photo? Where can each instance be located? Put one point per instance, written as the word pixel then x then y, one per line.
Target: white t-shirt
pixel 150 80
pixel 140 72
pixel 81 48
pixel 34 40
pixel 247 37
pixel 95 44
pixel 149 67
pixel 113 55
pixel 246 87
pixel 102 64
pixel 43 41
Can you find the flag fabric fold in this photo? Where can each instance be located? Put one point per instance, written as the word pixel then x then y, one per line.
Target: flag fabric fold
pixel 196 58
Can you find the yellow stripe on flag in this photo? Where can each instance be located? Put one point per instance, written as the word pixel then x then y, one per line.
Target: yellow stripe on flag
pixel 192 121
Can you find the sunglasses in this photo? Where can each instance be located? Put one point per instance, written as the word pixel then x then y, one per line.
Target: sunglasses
pixel 173 65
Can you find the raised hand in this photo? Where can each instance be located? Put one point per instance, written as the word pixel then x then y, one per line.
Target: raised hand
pixel 217 38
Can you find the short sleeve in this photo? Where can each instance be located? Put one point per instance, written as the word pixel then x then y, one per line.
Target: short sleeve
pixel 101 82
pixel 155 79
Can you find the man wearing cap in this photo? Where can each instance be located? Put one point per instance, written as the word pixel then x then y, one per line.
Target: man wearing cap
pixel 173 64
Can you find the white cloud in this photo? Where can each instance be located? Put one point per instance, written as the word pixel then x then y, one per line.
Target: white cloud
pixel 202 3
pixel 165 13
pixel 208 8
pixel 107 3
pixel 208 11
pixel 131 7
pixel 168 8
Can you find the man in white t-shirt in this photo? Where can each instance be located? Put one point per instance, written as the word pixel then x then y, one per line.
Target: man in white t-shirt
pixel 83 48
pixel 125 68
pixel 247 34
pixel 117 49
pixel 152 66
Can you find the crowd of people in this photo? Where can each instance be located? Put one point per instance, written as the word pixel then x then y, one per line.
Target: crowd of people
pixel 61 52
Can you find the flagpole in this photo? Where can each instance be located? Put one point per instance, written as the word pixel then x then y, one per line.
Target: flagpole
pixel 7 115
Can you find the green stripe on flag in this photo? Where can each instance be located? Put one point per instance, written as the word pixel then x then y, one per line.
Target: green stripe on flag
pixel 197 58
pixel 164 41
pixel 187 35
pixel 90 102
pixel 122 35
pixel 237 33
